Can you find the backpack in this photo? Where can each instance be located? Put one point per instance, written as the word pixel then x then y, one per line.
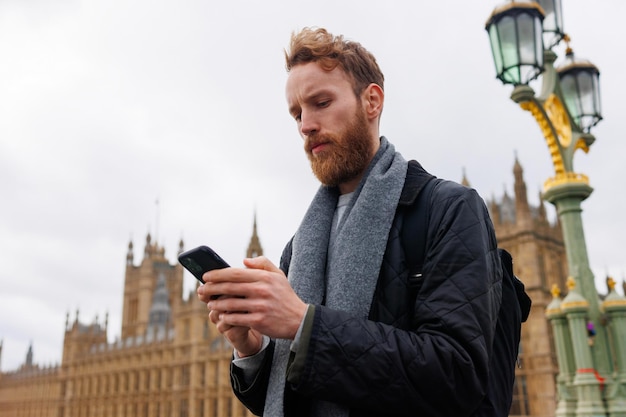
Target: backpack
pixel 514 308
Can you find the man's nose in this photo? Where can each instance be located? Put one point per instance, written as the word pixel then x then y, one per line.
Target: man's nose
pixel 308 124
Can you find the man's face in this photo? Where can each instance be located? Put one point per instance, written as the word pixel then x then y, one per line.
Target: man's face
pixel 332 121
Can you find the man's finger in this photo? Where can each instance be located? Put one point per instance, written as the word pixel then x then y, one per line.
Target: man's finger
pixel 261 262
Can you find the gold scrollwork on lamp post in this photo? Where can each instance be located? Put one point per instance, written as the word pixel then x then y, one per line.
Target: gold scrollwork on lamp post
pixel 549 132
pixel 556 128
pixel 558 116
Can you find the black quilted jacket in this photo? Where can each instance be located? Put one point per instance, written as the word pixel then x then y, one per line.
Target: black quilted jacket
pixel 421 352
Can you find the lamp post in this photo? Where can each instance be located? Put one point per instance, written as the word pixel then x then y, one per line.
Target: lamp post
pixel 523 35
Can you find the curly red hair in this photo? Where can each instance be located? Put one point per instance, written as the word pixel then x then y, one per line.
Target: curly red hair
pixel 329 51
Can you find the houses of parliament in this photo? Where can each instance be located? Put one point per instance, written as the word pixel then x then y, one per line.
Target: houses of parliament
pixel 170 361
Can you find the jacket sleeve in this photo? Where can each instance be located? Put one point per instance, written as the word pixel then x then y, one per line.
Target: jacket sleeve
pixel 252 395
pixel 438 367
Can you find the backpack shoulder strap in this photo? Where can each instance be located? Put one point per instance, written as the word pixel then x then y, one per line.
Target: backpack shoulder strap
pixel 415 228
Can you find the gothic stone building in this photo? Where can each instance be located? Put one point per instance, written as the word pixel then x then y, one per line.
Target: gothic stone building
pixel 170 361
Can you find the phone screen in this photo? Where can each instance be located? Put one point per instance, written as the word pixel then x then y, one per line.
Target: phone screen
pixel 200 260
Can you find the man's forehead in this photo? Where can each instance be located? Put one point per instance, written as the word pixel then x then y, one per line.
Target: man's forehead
pixel 305 78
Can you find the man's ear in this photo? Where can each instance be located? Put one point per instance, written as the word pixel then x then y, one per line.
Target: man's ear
pixel 373 99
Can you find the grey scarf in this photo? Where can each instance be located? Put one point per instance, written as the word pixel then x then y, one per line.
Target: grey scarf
pixel 349 281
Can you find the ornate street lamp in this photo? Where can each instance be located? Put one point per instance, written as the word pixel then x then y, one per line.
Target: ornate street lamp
pixel 523 35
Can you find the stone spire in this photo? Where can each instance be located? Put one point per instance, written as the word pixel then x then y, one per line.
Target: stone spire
pixel 152 249
pixel 181 246
pixel 522 209
pixel 254 248
pixel 29 356
pixel 542 215
pixel 129 254
pixel 148 248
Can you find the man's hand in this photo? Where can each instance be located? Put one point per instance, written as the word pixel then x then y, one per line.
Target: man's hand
pixel 255 300
pixel 246 341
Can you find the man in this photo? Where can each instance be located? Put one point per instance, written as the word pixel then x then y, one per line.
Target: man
pixel 349 333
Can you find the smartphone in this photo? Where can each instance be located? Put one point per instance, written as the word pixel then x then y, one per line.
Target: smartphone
pixel 200 260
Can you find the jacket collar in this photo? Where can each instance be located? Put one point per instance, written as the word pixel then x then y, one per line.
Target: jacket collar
pixel 416 178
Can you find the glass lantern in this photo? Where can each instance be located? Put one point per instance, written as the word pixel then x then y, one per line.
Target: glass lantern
pixel 515 31
pixel 580 86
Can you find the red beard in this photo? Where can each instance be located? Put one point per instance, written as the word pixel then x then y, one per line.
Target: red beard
pixel 347 155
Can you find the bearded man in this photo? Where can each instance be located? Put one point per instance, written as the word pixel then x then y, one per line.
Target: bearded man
pixel 343 328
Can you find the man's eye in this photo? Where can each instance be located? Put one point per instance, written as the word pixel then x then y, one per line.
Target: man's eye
pixel 298 117
pixel 323 104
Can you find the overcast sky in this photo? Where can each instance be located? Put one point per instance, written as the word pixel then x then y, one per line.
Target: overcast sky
pixel 108 106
